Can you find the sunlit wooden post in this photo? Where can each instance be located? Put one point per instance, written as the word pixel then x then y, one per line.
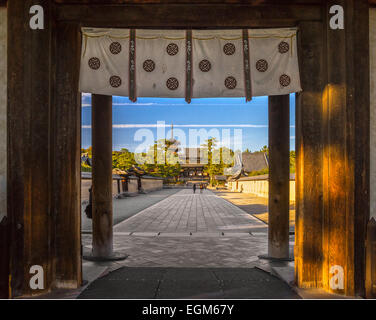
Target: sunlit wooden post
pixel 370 283
pixel 279 176
pixel 102 175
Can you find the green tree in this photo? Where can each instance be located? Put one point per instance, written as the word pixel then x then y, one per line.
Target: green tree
pixel 123 159
pixel 161 160
pixel 265 149
pixel 214 161
pixel 292 161
pixel 86 152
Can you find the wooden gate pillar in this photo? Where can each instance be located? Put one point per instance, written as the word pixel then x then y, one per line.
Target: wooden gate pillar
pixel 29 171
pixel 4 261
pixel 346 150
pixel 370 283
pixel 309 156
pixel 332 187
pixel 279 176
pixel 102 175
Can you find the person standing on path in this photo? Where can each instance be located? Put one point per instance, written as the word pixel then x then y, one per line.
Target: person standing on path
pixel 201 187
pixel 89 207
pixel 194 188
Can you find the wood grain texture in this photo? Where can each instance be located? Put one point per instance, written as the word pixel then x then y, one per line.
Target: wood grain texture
pixel 66 126
pixel 279 176
pixel 346 157
pixel 230 2
pixel 17 124
pixel 4 221
pixel 4 258
pixel 28 146
pixel 185 16
pixel 44 128
pixel 309 153
pixel 102 175
pixel 338 171
pixel 370 283
pixel 361 138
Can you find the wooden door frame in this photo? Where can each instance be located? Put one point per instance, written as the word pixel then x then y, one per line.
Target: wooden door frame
pixel 50 127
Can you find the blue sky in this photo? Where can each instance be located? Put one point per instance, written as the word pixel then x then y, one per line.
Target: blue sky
pixel 227 114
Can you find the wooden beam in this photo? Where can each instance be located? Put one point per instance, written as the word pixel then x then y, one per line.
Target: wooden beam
pixel 65 156
pixel 29 72
pixel 309 153
pixel 17 122
pixel 4 225
pixel 192 2
pixel 338 170
pixel 361 144
pixel 185 15
pixel 370 283
pixel 346 155
pixel 279 176
pixel 4 258
pixel 102 175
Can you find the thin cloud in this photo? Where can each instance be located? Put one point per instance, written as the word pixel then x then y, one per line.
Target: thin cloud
pixel 87 105
pixel 132 104
pixel 147 125
pixel 152 125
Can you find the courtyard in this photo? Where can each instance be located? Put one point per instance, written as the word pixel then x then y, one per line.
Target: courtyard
pixel 186 236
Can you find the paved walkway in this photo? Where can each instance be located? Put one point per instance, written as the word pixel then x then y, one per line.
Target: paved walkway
pixel 125 208
pixel 186 212
pixel 187 230
pixel 191 230
pixel 188 283
pixel 254 205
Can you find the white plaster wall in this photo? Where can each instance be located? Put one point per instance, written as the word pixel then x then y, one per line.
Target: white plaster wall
pixel 3 111
pixel 86 184
pixel 259 188
pixel 151 184
pixel 372 35
pixel 132 185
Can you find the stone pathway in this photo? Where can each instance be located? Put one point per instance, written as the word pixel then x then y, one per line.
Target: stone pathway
pixel 190 230
pixel 188 283
pixel 187 245
pixel 125 208
pixel 186 212
pixel 254 205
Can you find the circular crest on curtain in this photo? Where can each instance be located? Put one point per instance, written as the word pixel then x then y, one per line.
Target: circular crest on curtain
pixel 115 81
pixel 115 47
pixel 172 83
pixel 230 83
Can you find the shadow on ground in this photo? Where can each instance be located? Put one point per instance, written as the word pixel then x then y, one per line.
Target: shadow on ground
pixel 128 207
pixel 254 205
pixel 188 283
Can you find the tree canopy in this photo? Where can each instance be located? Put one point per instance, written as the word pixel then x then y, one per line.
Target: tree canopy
pixel 162 159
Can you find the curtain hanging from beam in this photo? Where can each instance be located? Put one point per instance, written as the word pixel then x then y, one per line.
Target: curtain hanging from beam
pixel 189 63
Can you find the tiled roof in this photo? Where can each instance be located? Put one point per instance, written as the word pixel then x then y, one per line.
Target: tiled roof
pixel 255 161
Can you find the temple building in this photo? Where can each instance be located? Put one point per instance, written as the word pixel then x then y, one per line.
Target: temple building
pixel 192 165
pixel 247 163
